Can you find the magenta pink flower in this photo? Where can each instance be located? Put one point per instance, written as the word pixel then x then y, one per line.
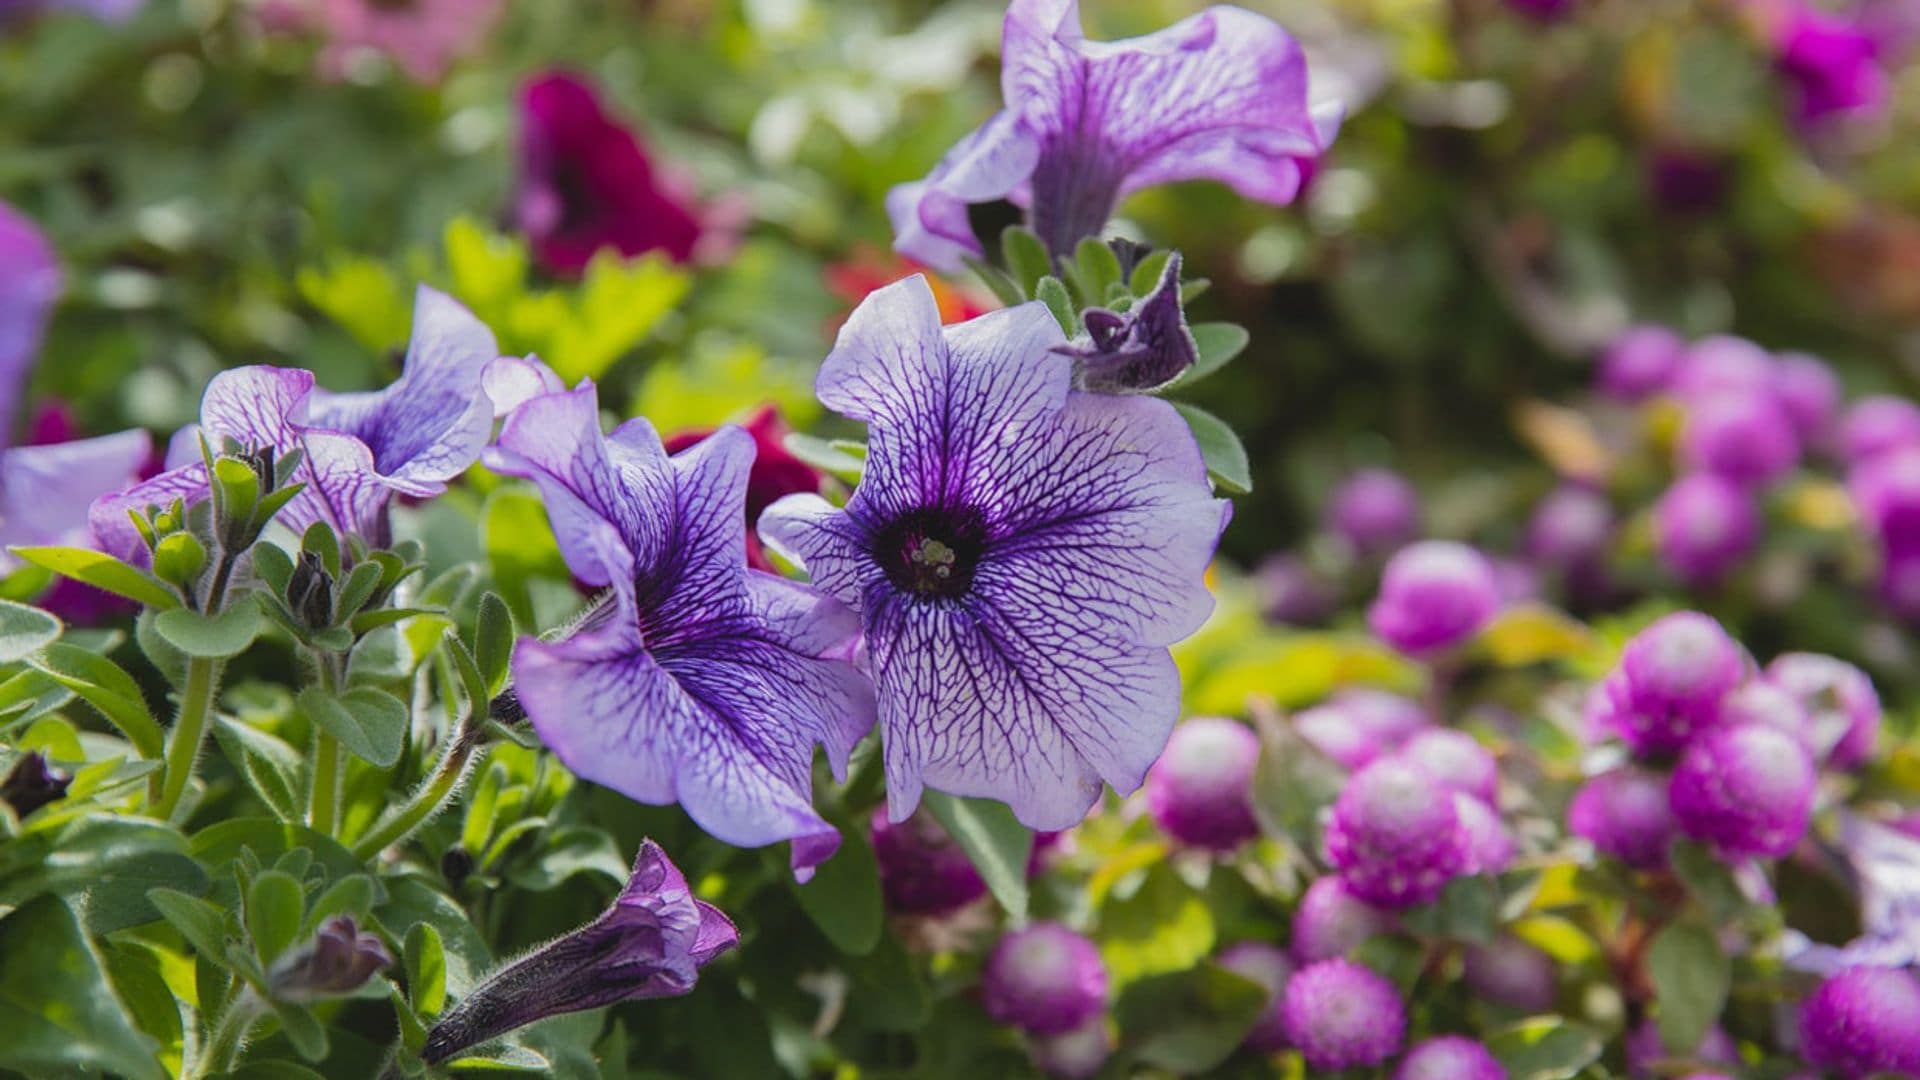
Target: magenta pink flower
pixel 421 37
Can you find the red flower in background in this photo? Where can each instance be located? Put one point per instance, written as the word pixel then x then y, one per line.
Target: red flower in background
pixel 775 471
pixel 870 268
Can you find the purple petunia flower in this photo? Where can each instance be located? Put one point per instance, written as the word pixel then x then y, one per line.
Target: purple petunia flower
pixel 702 682
pixel 1331 921
pixel 1341 1015
pixel 1886 871
pixel 1201 790
pixel 651 943
pixel 1863 1021
pixel 1021 556
pixel 1269 966
pixel 1044 979
pixel 45 490
pixel 29 285
pixel 1221 95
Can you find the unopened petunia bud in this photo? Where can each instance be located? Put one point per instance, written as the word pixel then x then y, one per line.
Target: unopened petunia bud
pixel 32 783
pixel 1340 1015
pixel 337 961
pixel 310 592
pixel 1045 979
pixel 1140 349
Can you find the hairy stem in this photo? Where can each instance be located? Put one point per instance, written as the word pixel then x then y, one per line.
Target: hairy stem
pixel 323 805
pixel 189 731
pixel 426 801
pixel 229 1037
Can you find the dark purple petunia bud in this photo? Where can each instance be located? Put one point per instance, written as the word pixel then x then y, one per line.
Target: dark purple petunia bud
pixel 1360 724
pixel 1625 814
pixel 32 783
pixel 1745 438
pixel 922 870
pixel 1703 526
pixel 1810 392
pixel 1340 1015
pixel 651 943
pixel 1044 979
pixel 1862 1021
pixel 339 959
pixel 1433 595
pixel 1646 1051
pixel 1267 965
pixel 1394 835
pixel 1571 527
pixel 1201 790
pixel 1544 10
pixel 1842 708
pixel 1375 510
pixel 1641 363
pixel 1075 1054
pixel 1747 790
pixel 1450 1057
pixel 1511 972
pixel 1332 922
pixel 1140 349
pixel 1877 424
pixel 1671 678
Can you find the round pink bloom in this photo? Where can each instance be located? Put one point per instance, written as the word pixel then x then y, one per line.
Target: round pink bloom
pixel 422 37
pixel 922 870
pixel 1723 364
pixel 1434 594
pixel 1831 63
pixel 1703 526
pixel 1450 1057
pixel 1886 493
pixel 1641 363
pixel 1759 701
pixel 1457 760
pixel 1332 922
pixel 1744 438
pixel 1809 391
pixel 1671 678
pixel 1201 790
pixel 1075 1054
pixel 1864 1020
pixel 1570 527
pixel 1267 965
pixel 1490 847
pixel 1898 586
pixel 1625 814
pixel 1341 1015
pixel 1375 510
pixel 1645 1051
pixel 1394 835
pixel 1510 972
pixel 1843 711
pixel 1360 724
pixel 1747 790
pixel 1877 424
pixel 1045 979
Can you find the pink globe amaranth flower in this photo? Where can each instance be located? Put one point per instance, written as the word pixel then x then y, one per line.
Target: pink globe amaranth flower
pixel 1341 1015
pixel 1832 65
pixel 1291 593
pixel 1723 364
pixel 1745 438
pixel 1703 527
pixel 1044 979
pixel 1074 1054
pixel 1759 701
pixel 1201 790
pixel 1395 836
pixel 1269 966
pixel 1747 790
pixel 1625 814
pixel 1434 594
pixel 1671 678
pixel 1641 363
pixel 1571 527
pixel 1645 1051
pixel 1450 1057
pixel 1885 490
pixel 1511 972
pixel 1898 587
pixel 1490 847
pixel 1457 760
pixel 421 37
pixel 586 184
pixel 1332 922
pixel 1375 510
pixel 1862 1021
pixel 922 870
pixel 1360 724
pixel 1842 707
pixel 1810 392
pixel 1877 424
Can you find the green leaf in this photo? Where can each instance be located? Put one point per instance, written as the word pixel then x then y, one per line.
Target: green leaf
pixel 215 637
pixel 371 724
pixel 1004 288
pixel 1466 910
pixel 1226 459
pixel 888 993
pixel 1218 344
pixel 501 1057
pixel 274 905
pixel 824 456
pixel 1546 1048
pixel 1161 925
pixel 1054 294
pixel 25 630
pixel 202 924
pixel 274 770
pixel 102 572
pixel 426 960
pixel 102 684
pixel 352 593
pixel 1690 978
pixel 1146 272
pixel 567 852
pixel 353 896
pixel 1025 256
pixel 272 565
pixel 520 546
pixel 1189 1021
pixel 1709 879
pixel 309 1039
pixel 1292 782
pixel 1096 270
pixel 218 845
pixel 111 858
pixel 57 1008
pixel 320 540
pixel 179 558
pixel 996 842
pixel 235 489
pixel 843 899
pixel 493 644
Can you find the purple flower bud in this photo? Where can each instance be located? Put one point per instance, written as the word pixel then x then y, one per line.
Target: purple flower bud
pixel 1747 790
pixel 1687 181
pixel 1886 493
pixel 1045 979
pixel 1267 965
pixel 1434 594
pixel 1723 364
pixel 1745 438
pixel 1510 972
pixel 1843 711
pixel 1360 724
pixel 1340 1015
pixel 1201 790
pixel 1864 1020
pixel 337 961
pixel 1140 349
pixel 1571 527
pixel 1457 760
pixel 1809 391
pixel 1291 593
pixel 922 870
pixel 1490 847
pixel 1625 814
pixel 1641 363
pixel 32 783
pixel 1877 424
pixel 1671 678
pixel 1394 835
pixel 1703 526
pixel 1646 1052
pixel 1074 1054
pixel 1332 922
pixel 1375 510
pixel 1450 1057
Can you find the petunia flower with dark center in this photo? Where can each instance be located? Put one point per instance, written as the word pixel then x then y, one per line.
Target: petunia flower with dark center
pixel 1021 555
pixel 700 682
pixel 1140 349
pixel 1221 95
pixel 651 943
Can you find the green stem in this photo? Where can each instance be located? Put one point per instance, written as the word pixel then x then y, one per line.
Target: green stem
pixel 427 800
pixel 229 1037
pixel 323 807
pixel 189 731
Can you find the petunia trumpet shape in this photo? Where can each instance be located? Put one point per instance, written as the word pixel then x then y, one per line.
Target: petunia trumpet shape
pixel 1221 95
pixel 700 682
pixel 651 943
pixel 1021 555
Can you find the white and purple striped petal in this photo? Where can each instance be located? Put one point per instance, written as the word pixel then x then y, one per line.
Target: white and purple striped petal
pixel 29 285
pixel 45 490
